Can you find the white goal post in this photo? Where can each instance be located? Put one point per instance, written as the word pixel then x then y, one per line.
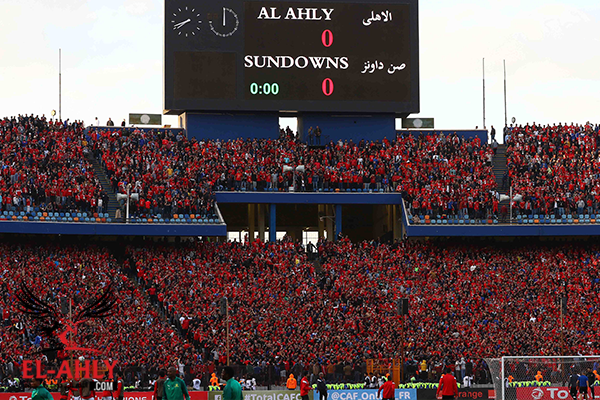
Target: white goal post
pixel 541 377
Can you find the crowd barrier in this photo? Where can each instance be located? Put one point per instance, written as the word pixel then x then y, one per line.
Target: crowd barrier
pixel 363 394
pixel 126 396
pixel 463 393
pixel 370 394
pixel 264 395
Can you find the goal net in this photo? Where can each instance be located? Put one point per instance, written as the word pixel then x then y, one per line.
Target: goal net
pixel 541 378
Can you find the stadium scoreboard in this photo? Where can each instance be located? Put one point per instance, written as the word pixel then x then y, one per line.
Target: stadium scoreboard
pixel 312 56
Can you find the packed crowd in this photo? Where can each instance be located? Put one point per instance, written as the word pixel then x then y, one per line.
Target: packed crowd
pixel 555 168
pixel 133 335
pixel 166 170
pixel 468 302
pixel 437 174
pixel 43 167
pixel 291 315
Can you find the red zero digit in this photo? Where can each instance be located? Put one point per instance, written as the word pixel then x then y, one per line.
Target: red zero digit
pixel 327 87
pixel 327 38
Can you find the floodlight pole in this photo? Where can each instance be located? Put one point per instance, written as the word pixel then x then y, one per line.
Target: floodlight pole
pixel 60 85
pixel 510 201
pixel 505 111
pixel 227 321
pixel 402 349
pixel 562 338
pixel 128 199
pixel 483 67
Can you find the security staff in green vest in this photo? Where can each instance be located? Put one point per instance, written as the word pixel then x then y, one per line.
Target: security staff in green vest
pixel 174 387
pixel 233 389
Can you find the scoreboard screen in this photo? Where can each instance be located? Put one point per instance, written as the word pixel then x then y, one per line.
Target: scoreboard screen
pixel 335 56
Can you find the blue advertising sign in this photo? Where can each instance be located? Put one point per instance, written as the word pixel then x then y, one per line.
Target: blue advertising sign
pixel 369 394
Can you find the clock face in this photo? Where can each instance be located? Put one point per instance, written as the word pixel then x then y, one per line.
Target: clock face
pixel 224 24
pixel 186 22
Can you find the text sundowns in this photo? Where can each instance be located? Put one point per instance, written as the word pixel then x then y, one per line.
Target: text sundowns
pixel 301 62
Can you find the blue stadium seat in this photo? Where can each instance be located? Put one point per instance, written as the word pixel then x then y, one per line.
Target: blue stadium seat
pixel 61 215
pixel 108 220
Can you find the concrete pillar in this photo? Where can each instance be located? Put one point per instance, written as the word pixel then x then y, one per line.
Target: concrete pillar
pixel 338 220
pixel 272 222
pixel 261 221
pixel 251 221
pixel 322 212
pixel 397 221
pixel 329 222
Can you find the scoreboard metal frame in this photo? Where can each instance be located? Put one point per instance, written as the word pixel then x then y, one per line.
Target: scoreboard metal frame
pixel 206 66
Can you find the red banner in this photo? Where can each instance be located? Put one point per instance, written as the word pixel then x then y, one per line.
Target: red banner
pixel 126 396
pixel 547 393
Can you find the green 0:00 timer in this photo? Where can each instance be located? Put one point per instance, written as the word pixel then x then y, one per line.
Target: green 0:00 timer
pixel 265 88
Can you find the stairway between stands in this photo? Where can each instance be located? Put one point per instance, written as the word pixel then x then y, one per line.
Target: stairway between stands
pixel 113 204
pixel 500 167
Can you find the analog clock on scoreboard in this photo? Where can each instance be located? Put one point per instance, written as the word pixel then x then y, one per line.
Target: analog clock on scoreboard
pixel 332 56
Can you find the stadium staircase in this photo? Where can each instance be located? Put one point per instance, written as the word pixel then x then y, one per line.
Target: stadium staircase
pixel 113 204
pixel 500 166
pixel 142 286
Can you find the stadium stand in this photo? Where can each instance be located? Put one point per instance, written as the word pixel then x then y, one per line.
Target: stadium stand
pixel 134 335
pixel 294 309
pixel 434 172
pixel 466 301
pixel 164 170
pixel 309 310
pixel 554 169
pixel 45 174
